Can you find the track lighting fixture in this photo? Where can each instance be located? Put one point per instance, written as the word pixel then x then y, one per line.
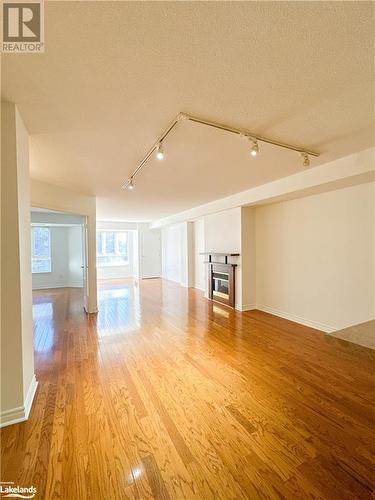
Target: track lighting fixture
pixel 160 152
pixel 254 147
pixel 306 159
pixel 156 150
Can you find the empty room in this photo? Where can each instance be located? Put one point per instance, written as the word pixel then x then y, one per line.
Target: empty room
pixel 187 250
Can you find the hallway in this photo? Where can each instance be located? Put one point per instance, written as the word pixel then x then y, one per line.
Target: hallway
pixel 164 394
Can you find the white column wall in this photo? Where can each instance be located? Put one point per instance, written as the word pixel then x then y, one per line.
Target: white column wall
pixel 248 258
pixel 172 249
pixel 200 271
pixel 177 253
pixel 18 383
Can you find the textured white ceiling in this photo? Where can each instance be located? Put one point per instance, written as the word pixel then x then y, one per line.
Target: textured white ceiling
pixel 114 74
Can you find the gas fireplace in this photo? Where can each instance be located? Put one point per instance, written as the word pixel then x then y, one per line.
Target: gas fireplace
pixel 221 277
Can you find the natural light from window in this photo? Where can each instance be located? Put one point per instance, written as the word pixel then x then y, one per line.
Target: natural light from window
pixel 41 250
pixel 112 248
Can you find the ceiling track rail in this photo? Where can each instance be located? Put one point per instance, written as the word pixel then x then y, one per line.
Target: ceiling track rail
pixel 221 126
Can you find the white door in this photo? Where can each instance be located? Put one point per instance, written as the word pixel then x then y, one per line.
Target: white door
pixel 150 253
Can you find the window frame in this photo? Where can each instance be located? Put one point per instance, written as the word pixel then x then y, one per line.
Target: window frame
pixel 102 233
pixel 49 258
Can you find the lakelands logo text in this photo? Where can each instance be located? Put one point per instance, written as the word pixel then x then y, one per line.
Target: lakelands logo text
pixel 8 490
pixel 23 27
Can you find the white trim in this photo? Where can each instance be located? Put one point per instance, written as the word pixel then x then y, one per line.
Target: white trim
pixel 108 264
pixel 245 307
pixel 54 224
pixel 169 279
pixel 297 319
pixel 12 416
pixel 282 314
pixel 59 285
pixel 30 396
pixel 20 413
pixel 199 287
pixel 90 312
pixel 131 276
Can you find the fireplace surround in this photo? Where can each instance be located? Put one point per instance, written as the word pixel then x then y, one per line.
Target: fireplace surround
pixel 221 278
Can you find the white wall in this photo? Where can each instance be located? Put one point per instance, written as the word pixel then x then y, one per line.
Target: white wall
pixel 248 258
pixel 177 253
pixel 222 231
pixel 59 275
pixel 66 260
pixel 18 383
pixel 187 257
pixel 136 255
pixel 199 266
pixel 172 250
pixel 315 258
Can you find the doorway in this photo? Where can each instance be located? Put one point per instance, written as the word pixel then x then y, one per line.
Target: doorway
pixel 57 252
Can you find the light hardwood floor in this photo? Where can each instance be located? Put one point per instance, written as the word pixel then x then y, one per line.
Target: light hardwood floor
pixel 167 395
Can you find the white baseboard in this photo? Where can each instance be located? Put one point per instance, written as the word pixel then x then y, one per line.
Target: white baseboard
pixel 94 311
pixel 245 307
pixel 64 285
pixel 297 319
pixel 30 396
pixel 199 288
pixel 20 413
pixel 47 287
pixel 282 314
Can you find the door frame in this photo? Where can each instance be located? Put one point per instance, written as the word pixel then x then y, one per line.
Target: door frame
pixel 89 252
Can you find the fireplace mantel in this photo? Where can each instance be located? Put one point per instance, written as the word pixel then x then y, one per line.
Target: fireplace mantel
pixel 229 254
pixel 210 255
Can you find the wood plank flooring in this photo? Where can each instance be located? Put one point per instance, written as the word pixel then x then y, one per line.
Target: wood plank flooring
pixel 166 395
